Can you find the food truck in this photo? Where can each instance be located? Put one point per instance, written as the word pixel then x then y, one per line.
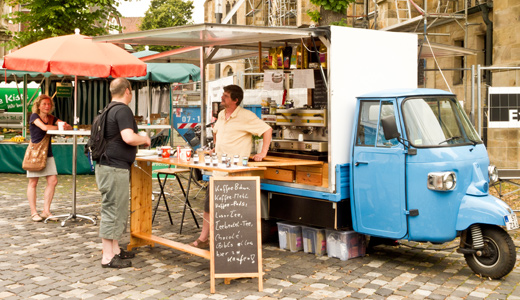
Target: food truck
pixel 365 149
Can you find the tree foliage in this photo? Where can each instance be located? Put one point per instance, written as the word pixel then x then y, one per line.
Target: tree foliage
pixel 339 6
pixel 166 13
pixel 40 19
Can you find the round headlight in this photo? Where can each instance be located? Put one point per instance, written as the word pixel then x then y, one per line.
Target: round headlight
pixel 450 181
pixel 493 174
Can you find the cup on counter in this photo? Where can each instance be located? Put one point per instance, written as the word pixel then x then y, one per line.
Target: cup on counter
pixel 185 154
pixel 61 126
pixel 166 151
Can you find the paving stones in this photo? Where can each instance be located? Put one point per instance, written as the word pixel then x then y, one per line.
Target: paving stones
pixel 47 261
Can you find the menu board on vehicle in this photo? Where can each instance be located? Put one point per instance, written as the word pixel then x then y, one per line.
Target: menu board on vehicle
pixel 235 228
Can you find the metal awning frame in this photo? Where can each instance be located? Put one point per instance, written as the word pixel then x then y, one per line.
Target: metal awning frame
pixel 210 43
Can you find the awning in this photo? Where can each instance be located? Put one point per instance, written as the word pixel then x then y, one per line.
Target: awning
pixel 441 50
pixel 170 73
pixel 223 41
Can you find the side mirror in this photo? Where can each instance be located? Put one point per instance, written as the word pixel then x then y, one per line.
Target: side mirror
pixel 390 128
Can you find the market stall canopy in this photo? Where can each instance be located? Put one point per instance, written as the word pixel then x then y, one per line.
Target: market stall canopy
pixel 224 41
pixel 172 73
pixel 167 73
pixel 144 53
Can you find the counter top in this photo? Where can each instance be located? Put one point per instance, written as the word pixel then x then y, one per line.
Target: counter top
pixel 276 161
pixel 69 132
pixel 189 164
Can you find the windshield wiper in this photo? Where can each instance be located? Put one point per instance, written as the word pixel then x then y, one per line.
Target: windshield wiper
pixel 450 139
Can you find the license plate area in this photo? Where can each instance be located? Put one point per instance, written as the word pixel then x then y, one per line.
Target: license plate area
pixel 511 221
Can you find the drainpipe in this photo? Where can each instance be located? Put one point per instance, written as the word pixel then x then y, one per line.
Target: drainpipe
pixel 486 9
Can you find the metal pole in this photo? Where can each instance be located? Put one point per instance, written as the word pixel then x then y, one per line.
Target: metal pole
pixel 74 149
pixel 479 102
pixel 202 97
pixel 24 106
pixel 472 84
pixel 218 20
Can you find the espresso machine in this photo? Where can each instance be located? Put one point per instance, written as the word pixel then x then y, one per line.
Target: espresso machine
pixel 300 133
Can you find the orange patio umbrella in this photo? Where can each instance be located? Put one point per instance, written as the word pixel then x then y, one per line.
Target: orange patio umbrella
pixel 76 55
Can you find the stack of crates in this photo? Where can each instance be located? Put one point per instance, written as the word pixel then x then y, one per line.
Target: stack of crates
pixel 345 244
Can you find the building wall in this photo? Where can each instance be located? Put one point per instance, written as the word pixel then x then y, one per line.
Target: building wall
pixel 504 144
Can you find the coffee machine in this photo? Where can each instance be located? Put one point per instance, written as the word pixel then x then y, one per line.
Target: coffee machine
pixel 302 132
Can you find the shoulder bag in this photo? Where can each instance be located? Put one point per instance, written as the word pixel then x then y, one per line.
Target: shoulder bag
pixel 35 157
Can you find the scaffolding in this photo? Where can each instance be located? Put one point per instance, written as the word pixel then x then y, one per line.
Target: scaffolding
pixel 282 12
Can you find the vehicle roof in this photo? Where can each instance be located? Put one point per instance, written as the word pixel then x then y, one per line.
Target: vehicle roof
pixel 394 93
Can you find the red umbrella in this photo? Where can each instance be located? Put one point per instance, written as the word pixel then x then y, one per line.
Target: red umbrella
pixel 75 54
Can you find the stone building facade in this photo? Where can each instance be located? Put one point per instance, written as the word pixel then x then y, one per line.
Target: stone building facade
pixel 487 29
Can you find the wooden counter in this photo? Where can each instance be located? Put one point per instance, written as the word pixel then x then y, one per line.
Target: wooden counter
pixel 141 201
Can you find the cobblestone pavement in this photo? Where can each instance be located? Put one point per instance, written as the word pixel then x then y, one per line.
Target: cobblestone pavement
pixel 48 261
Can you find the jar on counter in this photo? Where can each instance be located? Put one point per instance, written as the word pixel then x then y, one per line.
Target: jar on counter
pixel 214 160
pixel 207 160
pixel 224 158
pixel 196 158
pixel 228 162
pixel 272 108
pixel 245 160
pixel 236 159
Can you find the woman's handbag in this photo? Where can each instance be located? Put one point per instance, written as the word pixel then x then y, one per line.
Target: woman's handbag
pixel 35 157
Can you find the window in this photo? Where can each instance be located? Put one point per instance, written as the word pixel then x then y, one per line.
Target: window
pixel 370 130
pixel 458 75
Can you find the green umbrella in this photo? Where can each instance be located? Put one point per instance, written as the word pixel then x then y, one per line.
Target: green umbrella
pixel 170 72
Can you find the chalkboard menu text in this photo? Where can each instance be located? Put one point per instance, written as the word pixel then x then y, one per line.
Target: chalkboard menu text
pixel 235 228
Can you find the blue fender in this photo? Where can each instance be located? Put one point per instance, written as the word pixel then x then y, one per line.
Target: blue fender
pixel 483 210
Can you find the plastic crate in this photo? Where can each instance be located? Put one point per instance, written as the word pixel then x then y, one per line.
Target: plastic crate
pixel 290 236
pixel 345 244
pixel 314 240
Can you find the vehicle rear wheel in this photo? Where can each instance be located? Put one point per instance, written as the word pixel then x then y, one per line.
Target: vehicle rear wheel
pixel 498 256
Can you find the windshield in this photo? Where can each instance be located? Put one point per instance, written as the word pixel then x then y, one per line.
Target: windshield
pixel 437 121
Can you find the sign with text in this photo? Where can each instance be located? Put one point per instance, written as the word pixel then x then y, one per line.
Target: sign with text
pixel 504 107
pixel 235 230
pixel 11 100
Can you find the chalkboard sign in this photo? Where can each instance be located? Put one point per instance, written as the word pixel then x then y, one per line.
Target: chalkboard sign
pixel 235 228
pixel 320 94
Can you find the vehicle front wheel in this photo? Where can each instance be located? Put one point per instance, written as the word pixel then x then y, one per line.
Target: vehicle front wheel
pixel 498 256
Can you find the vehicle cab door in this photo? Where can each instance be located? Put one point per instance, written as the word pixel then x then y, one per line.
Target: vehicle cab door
pixel 378 199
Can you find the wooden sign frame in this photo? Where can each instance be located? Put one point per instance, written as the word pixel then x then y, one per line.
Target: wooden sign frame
pixel 240 187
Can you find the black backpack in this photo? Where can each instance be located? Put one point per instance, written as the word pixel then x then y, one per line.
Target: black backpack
pixel 97 144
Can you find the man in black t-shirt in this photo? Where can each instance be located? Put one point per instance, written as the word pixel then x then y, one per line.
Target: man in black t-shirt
pixel 113 174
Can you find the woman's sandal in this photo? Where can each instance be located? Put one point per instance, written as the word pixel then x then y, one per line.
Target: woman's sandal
pixel 36 217
pixel 49 217
pixel 201 244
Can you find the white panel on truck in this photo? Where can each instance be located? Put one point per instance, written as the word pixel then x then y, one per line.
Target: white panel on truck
pixel 361 61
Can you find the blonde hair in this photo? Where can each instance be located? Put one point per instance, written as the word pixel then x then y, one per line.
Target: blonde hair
pixel 37 102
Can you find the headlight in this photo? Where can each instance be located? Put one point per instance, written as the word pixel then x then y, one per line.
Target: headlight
pixel 442 181
pixel 493 174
